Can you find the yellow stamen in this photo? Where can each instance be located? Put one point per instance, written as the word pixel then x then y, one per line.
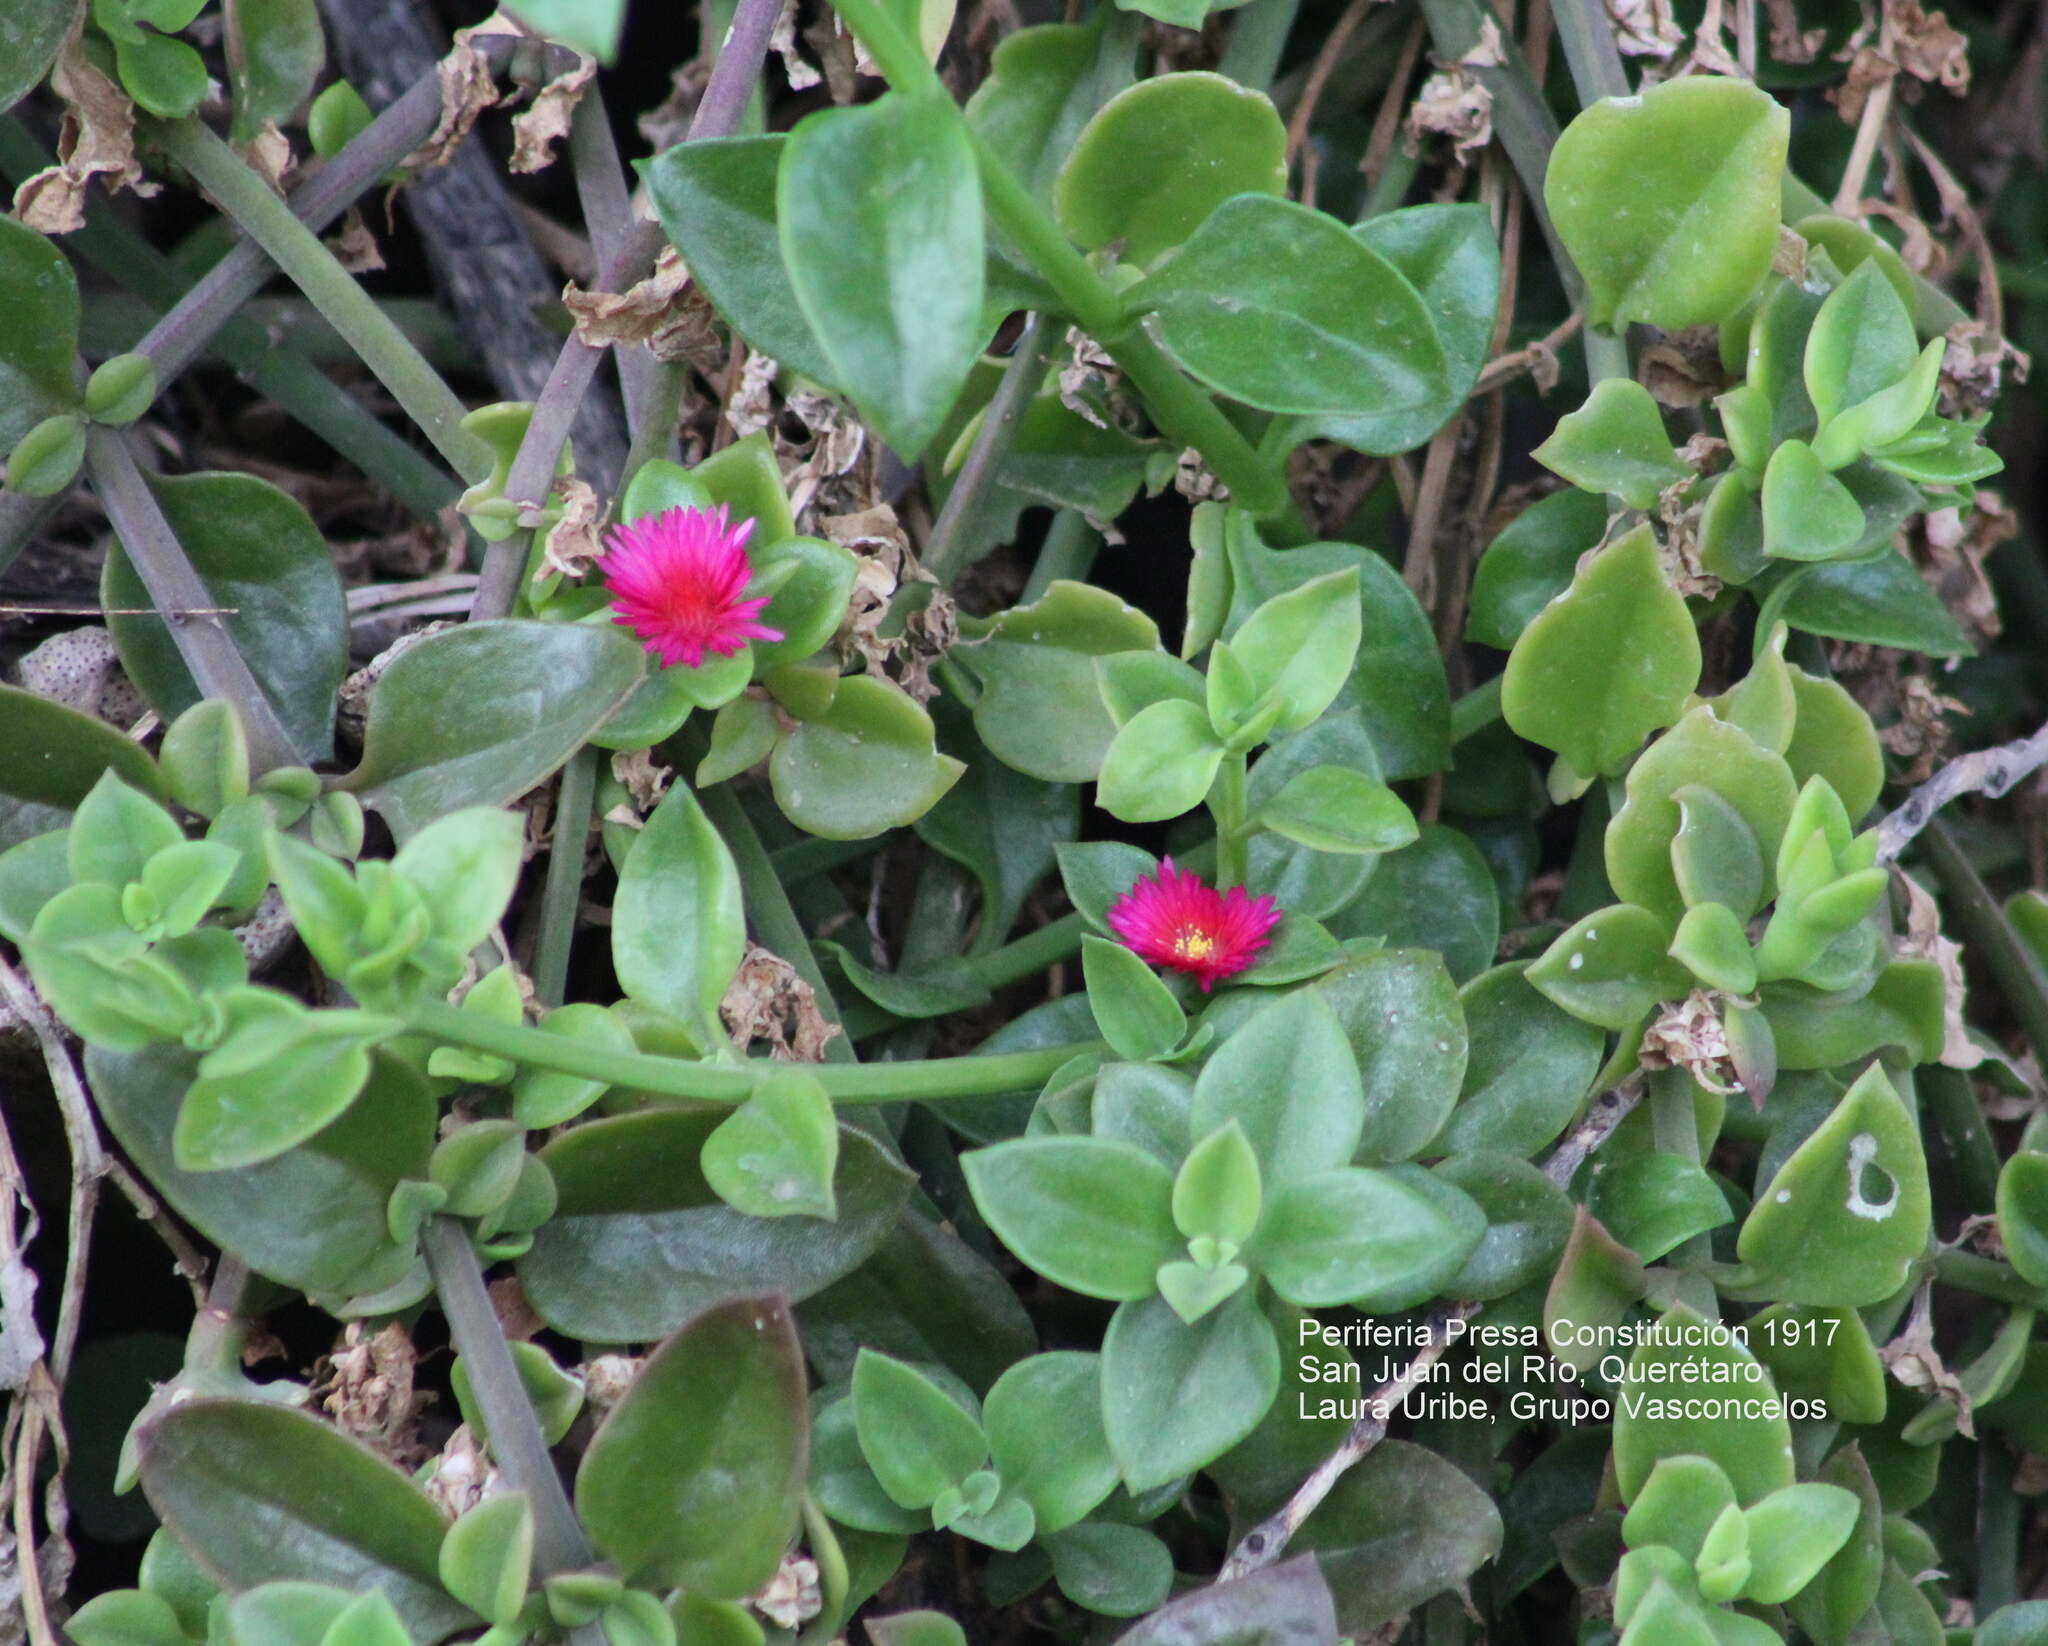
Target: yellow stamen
pixel 1193 945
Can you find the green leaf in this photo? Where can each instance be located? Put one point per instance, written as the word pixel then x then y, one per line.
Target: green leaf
pixel 1615 443
pixel 1668 201
pixel 259 1493
pixel 1159 158
pixel 1284 1605
pixel 1397 693
pixel 1531 563
pixel 313 1217
pixel 1680 1503
pixel 46 459
pixel 1006 828
pixel 1176 1396
pixel 1808 513
pixel 1136 1012
pixel 1715 858
pixel 1159 764
pixel 41 338
pixel 30 36
pixel 678 928
pixel 1793 1533
pixel 716 201
pixel 1605 664
pixel 277 1078
pixel 1822 1354
pixel 1360 1234
pixel 1685 1350
pixel 881 228
pixel 31 875
pixel 1529 1067
pixel 1216 1193
pixel 258 553
pixel 1448 253
pixel 480 714
pixel 915 1629
pixel 775 1154
pixel 696 1477
pixel 487 1557
pixel 1527 1221
pixel 1041 89
pixel 1702 750
pixel 870 762
pixel 1711 944
pixel 1847 1215
pixel 1041 710
pixel 1090 1214
pixel 1334 809
pixel 1654 1202
pixel 2023 1214
pixel 591 26
pixel 1878 601
pixel 1611 968
pixel 1401 1527
pixel 1861 343
pixel 1117 1571
pixel 1833 737
pixel 640 1242
pixel 1048 1395
pixel 115 833
pixel 1290 1079
pixel 125 1617
pixel 1095 873
pixel 275 53
pixel 1279 306
pixel 1300 646
pixel 915 1436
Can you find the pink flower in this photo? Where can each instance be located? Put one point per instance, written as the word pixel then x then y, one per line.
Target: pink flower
pixel 1172 919
pixel 679 579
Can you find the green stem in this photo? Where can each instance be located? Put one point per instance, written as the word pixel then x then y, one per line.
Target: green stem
pixel 1988 1278
pixel 1998 1528
pixel 1258 37
pixel 945 553
pixel 1985 927
pixel 1069 552
pixel 221 1327
pixel 562 894
pixel 182 598
pixel 923 1081
pixel 1227 806
pixel 1587 36
pixel 298 251
pixel 1183 412
pixel 1390 188
pixel 654 431
pixel 516 1440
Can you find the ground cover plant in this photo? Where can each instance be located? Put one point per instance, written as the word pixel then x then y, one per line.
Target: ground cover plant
pixel 1196 826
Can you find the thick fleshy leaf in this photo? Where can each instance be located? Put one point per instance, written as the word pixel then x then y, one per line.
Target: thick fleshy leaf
pixel 1527 1218
pixel 1531 563
pixel 259 1493
pixel 1041 710
pixel 1176 1396
pixel 1402 1526
pixel 1605 664
pixel 1284 1605
pixel 1668 201
pixel 678 930
pixel 1159 158
pixel 1040 91
pixel 1436 893
pixel 1879 601
pixel 1615 443
pixel 870 762
pixel 258 552
pixel 775 1154
pixel 52 757
pixel 1862 342
pixel 1529 1067
pixel 1279 306
pixel 1359 1234
pixel 1160 763
pixel 1051 1393
pixel 313 1217
pixel 275 53
pixel 1846 1216
pixel 40 341
pixel 1093 1215
pixel 697 1476
pixel 881 228
pixel 478 715
pixel 716 201
pixel 640 1242
pixel 1808 513
pixel 1685 1351
pixel 1290 1079
pixel 1612 968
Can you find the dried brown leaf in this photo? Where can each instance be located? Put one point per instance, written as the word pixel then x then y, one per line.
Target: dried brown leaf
pixel 537 129
pixel 467 89
pixel 767 1001
pixel 664 311
pixel 96 139
pixel 572 543
pixel 354 246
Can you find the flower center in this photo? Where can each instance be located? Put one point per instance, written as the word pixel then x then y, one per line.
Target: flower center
pixel 1191 944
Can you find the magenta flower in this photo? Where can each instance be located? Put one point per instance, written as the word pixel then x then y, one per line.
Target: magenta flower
pixel 1172 919
pixel 679 579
